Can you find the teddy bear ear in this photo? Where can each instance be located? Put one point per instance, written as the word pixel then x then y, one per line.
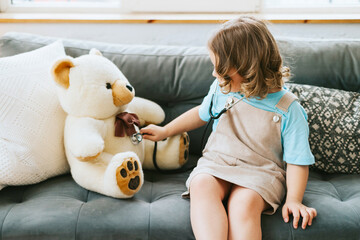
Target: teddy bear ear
pixel 61 70
pixel 94 51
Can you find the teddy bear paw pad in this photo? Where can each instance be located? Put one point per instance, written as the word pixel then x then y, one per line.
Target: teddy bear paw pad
pixel 128 176
pixel 184 148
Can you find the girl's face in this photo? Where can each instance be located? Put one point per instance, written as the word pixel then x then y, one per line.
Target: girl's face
pixel 213 59
pixel 236 79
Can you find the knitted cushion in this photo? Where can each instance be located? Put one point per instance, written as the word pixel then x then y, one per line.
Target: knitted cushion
pixel 32 121
pixel 333 117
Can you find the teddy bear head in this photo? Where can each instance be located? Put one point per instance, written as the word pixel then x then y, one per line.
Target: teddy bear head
pixel 91 86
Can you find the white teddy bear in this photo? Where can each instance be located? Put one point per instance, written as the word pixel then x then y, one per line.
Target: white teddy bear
pixel 103 145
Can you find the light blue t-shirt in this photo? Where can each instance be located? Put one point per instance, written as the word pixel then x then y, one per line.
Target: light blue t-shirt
pixel 294 125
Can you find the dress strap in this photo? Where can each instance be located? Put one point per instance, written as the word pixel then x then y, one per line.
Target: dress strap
pixel 285 101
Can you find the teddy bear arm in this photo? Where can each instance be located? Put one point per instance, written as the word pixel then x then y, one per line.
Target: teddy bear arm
pixel 85 136
pixel 148 111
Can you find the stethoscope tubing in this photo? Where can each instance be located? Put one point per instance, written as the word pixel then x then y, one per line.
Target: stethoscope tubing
pixel 213 117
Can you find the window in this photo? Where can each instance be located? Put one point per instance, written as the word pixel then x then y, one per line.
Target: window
pixel 310 6
pixel 19 2
pixel 310 3
pixel 192 6
pixel 60 5
pixel 182 6
pixel 131 6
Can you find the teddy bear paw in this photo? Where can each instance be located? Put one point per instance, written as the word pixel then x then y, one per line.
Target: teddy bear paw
pixel 184 148
pixel 128 176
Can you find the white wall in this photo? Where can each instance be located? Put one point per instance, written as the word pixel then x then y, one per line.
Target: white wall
pixel 170 34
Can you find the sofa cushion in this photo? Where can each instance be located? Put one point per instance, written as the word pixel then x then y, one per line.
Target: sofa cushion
pixel 336 199
pixel 32 121
pixel 333 117
pixel 332 63
pixel 58 208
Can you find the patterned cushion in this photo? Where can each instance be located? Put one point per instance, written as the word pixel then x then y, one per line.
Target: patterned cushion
pixel 333 117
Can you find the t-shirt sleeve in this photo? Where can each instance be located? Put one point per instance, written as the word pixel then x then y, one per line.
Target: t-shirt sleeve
pixel 204 107
pixel 295 137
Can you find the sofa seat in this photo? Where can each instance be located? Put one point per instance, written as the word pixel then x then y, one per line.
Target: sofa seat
pixel 60 209
pixel 336 197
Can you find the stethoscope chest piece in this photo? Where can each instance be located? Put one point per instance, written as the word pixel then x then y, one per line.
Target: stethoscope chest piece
pixel 136 138
pixel 229 102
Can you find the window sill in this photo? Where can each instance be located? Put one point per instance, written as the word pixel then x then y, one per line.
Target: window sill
pixel 171 18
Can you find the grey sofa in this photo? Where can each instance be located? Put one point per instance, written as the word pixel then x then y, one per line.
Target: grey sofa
pixel 178 78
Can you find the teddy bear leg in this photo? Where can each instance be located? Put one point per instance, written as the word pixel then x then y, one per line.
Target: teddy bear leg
pixel 171 153
pixel 124 176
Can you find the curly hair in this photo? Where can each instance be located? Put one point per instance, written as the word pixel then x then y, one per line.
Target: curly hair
pixel 246 45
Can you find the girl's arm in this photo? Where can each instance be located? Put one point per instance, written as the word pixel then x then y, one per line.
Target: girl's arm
pixel 296 180
pixel 186 122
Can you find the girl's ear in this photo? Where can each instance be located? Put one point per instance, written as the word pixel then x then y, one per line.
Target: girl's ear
pixel 61 70
pixel 227 77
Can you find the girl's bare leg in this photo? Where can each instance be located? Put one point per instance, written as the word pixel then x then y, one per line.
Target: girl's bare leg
pixel 244 209
pixel 208 215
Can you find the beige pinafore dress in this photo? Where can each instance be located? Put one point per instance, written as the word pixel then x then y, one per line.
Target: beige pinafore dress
pixel 246 150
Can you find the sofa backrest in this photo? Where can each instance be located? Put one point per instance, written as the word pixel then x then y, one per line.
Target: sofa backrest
pixel 324 63
pixel 179 77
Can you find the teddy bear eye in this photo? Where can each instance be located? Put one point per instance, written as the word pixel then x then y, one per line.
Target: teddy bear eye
pixel 108 85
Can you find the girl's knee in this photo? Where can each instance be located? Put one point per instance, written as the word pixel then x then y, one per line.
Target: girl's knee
pixel 246 202
pixel 201 182
pixel 207 185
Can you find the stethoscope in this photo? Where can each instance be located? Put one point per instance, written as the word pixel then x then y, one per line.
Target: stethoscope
pixel 136 138
pixel 230 102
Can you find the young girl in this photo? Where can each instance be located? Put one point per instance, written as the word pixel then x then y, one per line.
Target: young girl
pixel 264 126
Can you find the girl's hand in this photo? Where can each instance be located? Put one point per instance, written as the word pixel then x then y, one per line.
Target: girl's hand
pixel 298 209
pixel 154 133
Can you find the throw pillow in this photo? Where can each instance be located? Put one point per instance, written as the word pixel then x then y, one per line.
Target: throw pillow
pixel 32 120
pixel 333 117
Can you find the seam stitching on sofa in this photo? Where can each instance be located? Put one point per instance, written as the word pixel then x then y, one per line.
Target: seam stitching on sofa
pixel 354 210
pixel 122 54
pixel 142 55
pixel 21 41
pixel 344 202
pixel 278 39
pixel 151 193
pixel 291 230
pixel 77 220
pixel 2 225
pixel 336 190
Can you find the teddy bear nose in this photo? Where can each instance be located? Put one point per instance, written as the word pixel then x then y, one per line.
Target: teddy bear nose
pixel 129 87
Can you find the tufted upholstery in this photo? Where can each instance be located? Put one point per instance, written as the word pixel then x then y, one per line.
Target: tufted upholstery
pixel 59 209
pixel 336 197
